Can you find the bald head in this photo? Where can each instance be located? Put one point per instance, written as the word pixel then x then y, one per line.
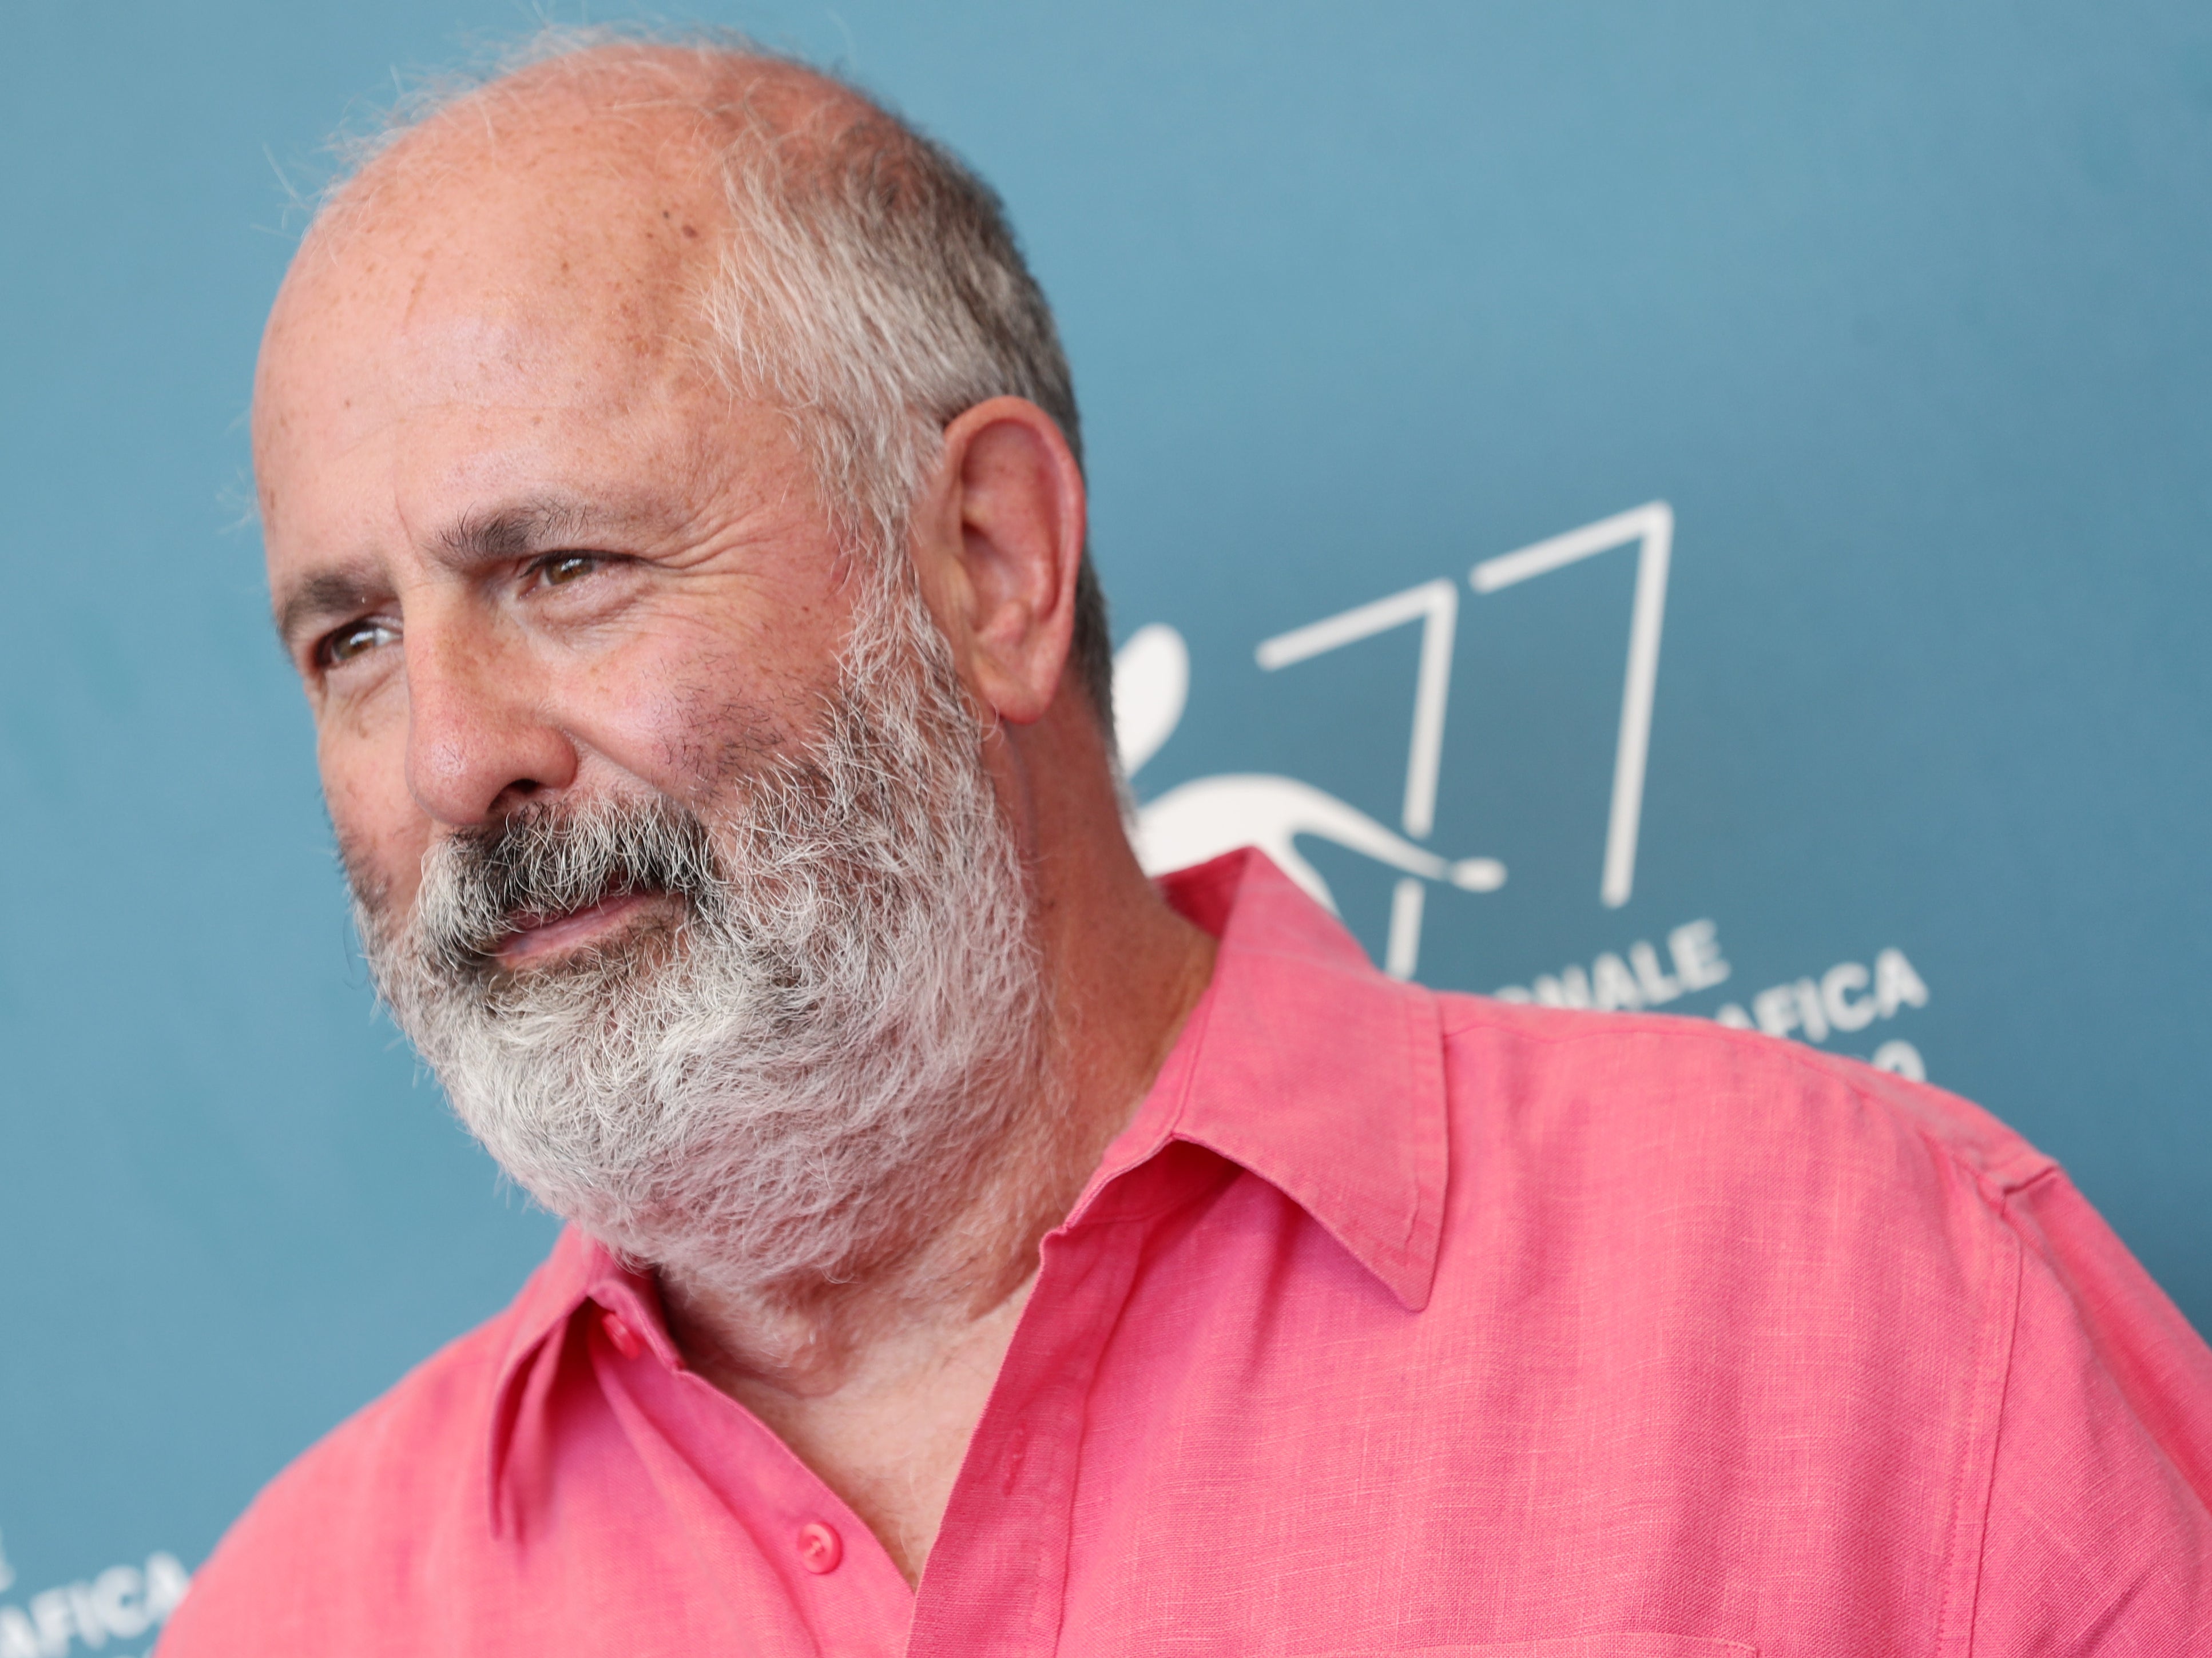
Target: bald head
pixel 737 219
pixel 580 204
pixel 595 179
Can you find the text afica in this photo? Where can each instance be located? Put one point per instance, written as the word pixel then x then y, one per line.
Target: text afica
pixel 120 1604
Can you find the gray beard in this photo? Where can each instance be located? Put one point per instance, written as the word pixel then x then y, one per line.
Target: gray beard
pixel 796 1081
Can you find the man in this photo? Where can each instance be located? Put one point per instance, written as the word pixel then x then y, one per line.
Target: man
pixel 671 486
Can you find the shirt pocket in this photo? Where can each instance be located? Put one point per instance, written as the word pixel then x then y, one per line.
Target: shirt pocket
pixel 1626 1644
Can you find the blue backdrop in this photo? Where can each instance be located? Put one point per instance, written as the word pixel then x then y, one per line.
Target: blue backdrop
pixel 1899 309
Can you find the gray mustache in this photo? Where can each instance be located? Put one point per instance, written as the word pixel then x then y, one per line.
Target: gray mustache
pixel 482 885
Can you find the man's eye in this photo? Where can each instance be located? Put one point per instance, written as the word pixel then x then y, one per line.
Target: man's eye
pixel 561 569
pixel 355 639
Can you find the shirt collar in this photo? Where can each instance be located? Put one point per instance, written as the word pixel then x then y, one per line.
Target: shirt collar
pixel 1304 1065
pixel 580 1273
pixel 1300 1064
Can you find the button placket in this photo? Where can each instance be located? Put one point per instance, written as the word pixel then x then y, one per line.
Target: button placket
pixel 1005 1543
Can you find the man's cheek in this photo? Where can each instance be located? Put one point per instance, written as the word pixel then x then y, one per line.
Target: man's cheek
pixel 382 834
pixel 697 724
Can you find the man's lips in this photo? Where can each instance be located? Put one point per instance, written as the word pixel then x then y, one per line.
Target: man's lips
pixel 545 935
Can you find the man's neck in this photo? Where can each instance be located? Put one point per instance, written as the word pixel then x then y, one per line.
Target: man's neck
pixel 877 1383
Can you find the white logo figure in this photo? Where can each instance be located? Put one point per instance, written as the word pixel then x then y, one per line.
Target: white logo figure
pixel 1208 816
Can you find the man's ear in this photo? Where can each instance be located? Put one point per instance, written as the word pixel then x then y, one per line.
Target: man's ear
pixel 998 543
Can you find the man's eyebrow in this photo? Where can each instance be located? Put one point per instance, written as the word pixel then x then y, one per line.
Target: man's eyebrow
pixel 530 526
pixel 325 593
pixel 484 538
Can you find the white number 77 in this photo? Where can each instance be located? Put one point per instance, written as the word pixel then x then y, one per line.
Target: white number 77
pixel 1436 605
pixel 1652 527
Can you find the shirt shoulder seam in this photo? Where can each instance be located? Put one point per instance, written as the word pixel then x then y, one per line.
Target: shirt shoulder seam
pixel 1970 1513
pixel 2014 1173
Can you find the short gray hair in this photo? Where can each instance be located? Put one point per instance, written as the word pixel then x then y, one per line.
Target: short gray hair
pixel 875 292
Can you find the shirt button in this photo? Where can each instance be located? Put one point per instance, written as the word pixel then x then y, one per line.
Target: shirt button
pixel 624 1339
pixel 820 1548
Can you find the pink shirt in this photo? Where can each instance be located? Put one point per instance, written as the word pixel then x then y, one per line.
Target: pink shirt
pixel 1396 1321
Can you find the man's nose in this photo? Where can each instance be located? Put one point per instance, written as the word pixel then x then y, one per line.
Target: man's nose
pixel 481 737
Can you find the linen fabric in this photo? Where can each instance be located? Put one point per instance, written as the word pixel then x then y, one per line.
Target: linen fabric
pixel 1394 1323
